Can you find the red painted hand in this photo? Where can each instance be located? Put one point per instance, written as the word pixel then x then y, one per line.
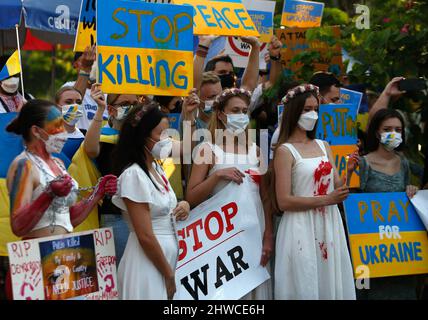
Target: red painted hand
pixel 255 175
pixel 108 185
pixel 62 187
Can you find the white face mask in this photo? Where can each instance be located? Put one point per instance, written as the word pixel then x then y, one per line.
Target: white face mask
pixel 71 113
pixel 390 140
pixel 55 142
pixel 208 106
pixel 122 112
pixel 162 149
pixel 308 120
pixel 237 123
pixel 10 85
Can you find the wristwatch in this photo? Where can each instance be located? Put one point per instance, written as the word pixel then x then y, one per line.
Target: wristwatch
pixel 273 58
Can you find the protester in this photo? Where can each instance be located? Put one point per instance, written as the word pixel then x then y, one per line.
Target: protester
pixel 169 104
pixel 329 86
pixel 99 144
pixel 146 198
pixel 384 169
pixel 235 159
pixel 42 194
pixel 311 255
pixel 10 99
pixel 69 100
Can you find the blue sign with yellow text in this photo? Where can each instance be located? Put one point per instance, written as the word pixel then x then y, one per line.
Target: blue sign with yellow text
pixel 386 234
pixel 351 97
pixel 145 48
pixel 302 14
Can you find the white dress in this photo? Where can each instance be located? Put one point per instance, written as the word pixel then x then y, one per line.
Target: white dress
pixel 244 162
pixel 138 278
pixel 312 260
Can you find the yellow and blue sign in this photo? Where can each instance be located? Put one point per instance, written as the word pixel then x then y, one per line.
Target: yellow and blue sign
pixel 145 48
pixel 302 14
pixel 220 17
pixel 386 234
pixel 11 67
pixel 262 12
pixel 86 30
pixel 337 124
pixel 351 97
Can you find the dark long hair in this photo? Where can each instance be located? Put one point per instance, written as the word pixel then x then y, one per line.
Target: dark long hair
pixel 138 125
pixel 33 113
pixel 372 140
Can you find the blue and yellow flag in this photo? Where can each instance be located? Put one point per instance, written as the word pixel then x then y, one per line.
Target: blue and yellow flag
pixel 11 67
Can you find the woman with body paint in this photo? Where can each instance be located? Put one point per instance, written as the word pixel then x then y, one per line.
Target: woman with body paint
pixel 385 169
pixel 147 200
pixel 311 255
pixel 232 158
pixel 42 194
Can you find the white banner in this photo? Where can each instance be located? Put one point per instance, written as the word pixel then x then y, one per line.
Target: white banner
pixel 239 52
pixel 70 266
pixel 420 202
pixel 221 245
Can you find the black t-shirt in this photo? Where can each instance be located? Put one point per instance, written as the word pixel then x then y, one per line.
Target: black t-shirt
pixel 104 164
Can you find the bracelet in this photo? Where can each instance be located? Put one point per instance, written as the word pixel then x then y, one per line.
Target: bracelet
pixel 203 47
pixel 275 58
pixel 98 120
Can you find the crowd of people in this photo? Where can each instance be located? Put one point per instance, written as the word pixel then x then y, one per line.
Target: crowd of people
pixel 121 138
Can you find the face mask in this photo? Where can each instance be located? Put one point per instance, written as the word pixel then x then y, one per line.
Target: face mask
pixel 55 142
pixel 308 120
pixel 71 113
pixel 10 85
pixel 237 123
pixel 390 140
pixel 227 80
pixel 122 112
pixel 208 108
pixel 162 149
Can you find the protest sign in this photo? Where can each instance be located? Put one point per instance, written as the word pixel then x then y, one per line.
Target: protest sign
pixel 220 246
pixel 420 202
pixel 337 124
pixel 339 155
pixel 261 13
pixel 351 97
pixel 86 29
pixel 71 266
pixel 294 42
pixel 239 52
pixel 145 48
pixel 303 14
pixel 386 234
pixel 220 17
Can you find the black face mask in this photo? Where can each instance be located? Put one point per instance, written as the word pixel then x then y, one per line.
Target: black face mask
pixel 227 80
pixel 177 107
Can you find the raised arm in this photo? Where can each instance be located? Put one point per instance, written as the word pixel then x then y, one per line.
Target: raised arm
pixel 275 61
pixel 251 73
pixel 87 60
pixel 199 59
pixel 91 144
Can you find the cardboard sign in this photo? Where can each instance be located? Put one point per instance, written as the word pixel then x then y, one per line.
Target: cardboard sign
pixel 145 48
pixel 294 42
pixel 386 234
pixel 239 52
pixel 221 245
pixel 71 266
pixel 86 29
pixel 351 97
pixel 339 155
pixel 262 12
pixel 337 124
pixel 221 17
pixel 302 14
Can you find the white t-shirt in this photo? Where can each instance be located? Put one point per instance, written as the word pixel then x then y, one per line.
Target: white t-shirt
pixel 89 107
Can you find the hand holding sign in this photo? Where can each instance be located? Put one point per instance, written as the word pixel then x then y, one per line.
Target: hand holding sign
pixel 181 211
pixel 275 47
pixel 231 174
pixel 98 96
pixel 411 191
pixel 88 58
pixel 252 41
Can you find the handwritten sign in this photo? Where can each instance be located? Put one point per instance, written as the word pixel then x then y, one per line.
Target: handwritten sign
pixel 337 124
pixel 339 156
pixel 303 14
pixel 261 13
pixel 72 266
pixel 145 48
pixel 221 17
pixel 386 234
pixel 294 42
pixel 351 97
pixel 239 51
pixel 86 30
pixel 220 246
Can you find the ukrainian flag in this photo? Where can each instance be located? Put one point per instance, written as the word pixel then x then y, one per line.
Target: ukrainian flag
pixel 11 67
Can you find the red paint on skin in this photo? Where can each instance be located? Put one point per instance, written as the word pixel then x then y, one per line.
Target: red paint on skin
pixel 323 248
pixel 322 181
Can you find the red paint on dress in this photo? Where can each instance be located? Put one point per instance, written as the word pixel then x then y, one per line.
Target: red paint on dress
pixel 323 248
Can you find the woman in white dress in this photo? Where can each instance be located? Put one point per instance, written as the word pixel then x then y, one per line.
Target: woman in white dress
pixel 230 160
pixel 147 268
pixel 311 256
